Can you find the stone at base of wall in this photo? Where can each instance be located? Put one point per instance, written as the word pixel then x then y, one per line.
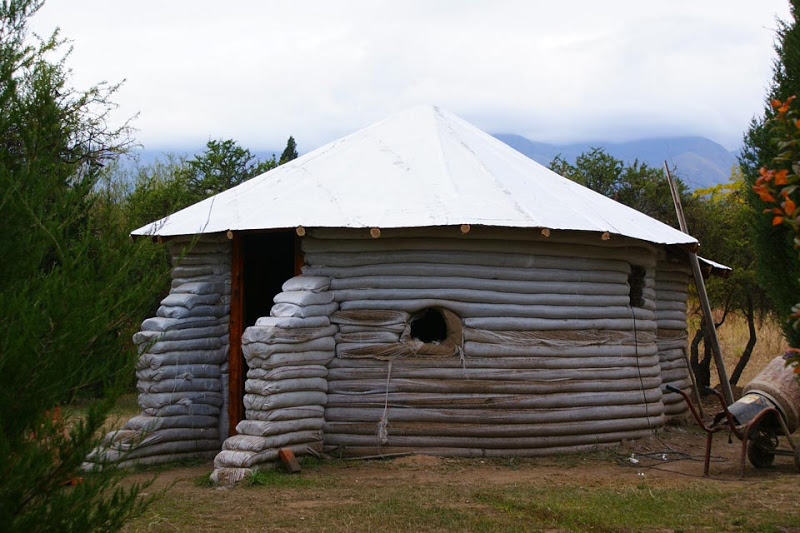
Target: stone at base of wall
pixel 231 476
pixel 152 460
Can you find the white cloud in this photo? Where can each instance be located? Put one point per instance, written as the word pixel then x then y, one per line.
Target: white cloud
pixel 556 71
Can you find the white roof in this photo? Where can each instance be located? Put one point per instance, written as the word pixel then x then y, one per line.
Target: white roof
pixel 421 167
pixel 712 267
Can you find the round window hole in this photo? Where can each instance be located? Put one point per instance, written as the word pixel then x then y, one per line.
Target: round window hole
pixel 428 326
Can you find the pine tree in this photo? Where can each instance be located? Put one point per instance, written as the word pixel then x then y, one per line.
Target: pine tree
pixel 289 153
pixel 778 266
pixel 71 288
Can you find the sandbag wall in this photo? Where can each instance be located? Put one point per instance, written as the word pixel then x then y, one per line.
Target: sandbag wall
pixel 286 388
pixel 552 357
pixel 182 368
pixel 672 337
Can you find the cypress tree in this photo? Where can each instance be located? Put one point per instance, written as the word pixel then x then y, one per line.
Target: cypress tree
pixel 778 266
pixel 289 153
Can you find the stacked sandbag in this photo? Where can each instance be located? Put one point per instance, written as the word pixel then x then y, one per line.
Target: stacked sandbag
pixel 672 338
pixel 182 363
pixel 286 387
pixel 550 354
pixel 373 333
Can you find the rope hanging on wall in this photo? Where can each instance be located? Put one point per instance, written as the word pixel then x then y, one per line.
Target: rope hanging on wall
pixel 383 423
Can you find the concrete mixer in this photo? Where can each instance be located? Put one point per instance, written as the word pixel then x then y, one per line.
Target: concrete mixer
pixel 768 410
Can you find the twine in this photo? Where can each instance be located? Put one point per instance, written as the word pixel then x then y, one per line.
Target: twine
pixel 383 423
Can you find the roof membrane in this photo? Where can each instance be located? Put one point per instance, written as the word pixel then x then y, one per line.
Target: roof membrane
pixel 418 168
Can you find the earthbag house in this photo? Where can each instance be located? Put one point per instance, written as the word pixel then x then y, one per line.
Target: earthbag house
pixel 416 286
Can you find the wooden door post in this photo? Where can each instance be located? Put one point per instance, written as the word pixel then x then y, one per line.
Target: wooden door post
pixel 236 322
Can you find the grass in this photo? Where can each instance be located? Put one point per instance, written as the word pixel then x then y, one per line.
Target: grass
pixel 733 336
pixel 126 406
pixel 629 508
pixel 467 495
pixel 276 478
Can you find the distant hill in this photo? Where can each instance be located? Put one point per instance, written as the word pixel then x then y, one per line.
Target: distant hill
pixel 699 162
pixel 149 156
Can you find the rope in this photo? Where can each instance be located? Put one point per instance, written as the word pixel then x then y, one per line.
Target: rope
pixel 639 369
pixel 383 423
pixel 460 350
pixel 641 384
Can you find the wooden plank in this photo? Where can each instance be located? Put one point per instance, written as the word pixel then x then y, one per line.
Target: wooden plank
pixel 236 359
pixel 289 460
pixel 704 304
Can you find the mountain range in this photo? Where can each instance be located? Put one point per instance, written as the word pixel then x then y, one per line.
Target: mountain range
pixel 698 161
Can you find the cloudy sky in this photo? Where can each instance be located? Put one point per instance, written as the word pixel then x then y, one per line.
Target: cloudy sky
pixel 553 71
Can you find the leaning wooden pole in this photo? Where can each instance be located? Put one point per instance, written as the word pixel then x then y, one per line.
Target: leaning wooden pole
pixel 676 200
pixel 701 293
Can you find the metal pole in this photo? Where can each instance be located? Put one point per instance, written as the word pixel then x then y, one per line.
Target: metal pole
pixel 703 296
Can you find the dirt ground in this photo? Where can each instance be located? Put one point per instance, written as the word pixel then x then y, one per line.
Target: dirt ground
pixel 424 493
pixel 675 453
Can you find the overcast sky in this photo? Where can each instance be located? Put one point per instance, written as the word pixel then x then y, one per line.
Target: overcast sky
pixel 553 71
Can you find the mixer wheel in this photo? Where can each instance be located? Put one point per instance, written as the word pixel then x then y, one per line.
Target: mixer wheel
pixel 760 448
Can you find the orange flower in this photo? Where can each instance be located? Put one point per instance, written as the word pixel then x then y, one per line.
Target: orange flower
pixel 784 107
pixel 776 103
pixel 777 221
pixel 765 175
pixel 764 194
pixel 789 206
pixel 780 177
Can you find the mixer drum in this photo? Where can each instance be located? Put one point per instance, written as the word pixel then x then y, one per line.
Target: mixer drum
pixel 777 383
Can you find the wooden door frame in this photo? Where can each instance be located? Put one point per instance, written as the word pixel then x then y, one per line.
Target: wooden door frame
pixel 235 327
pixel 236 324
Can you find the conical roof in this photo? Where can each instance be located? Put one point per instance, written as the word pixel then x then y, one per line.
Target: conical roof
pixel 418 168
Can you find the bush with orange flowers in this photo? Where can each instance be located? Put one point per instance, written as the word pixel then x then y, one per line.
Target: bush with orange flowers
pixel 779 187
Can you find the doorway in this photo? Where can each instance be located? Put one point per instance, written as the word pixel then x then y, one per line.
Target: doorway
pixel 268 261
pixel 261 263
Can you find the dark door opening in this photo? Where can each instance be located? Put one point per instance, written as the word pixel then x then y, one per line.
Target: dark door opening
pixel 262 262
pixel 268 261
